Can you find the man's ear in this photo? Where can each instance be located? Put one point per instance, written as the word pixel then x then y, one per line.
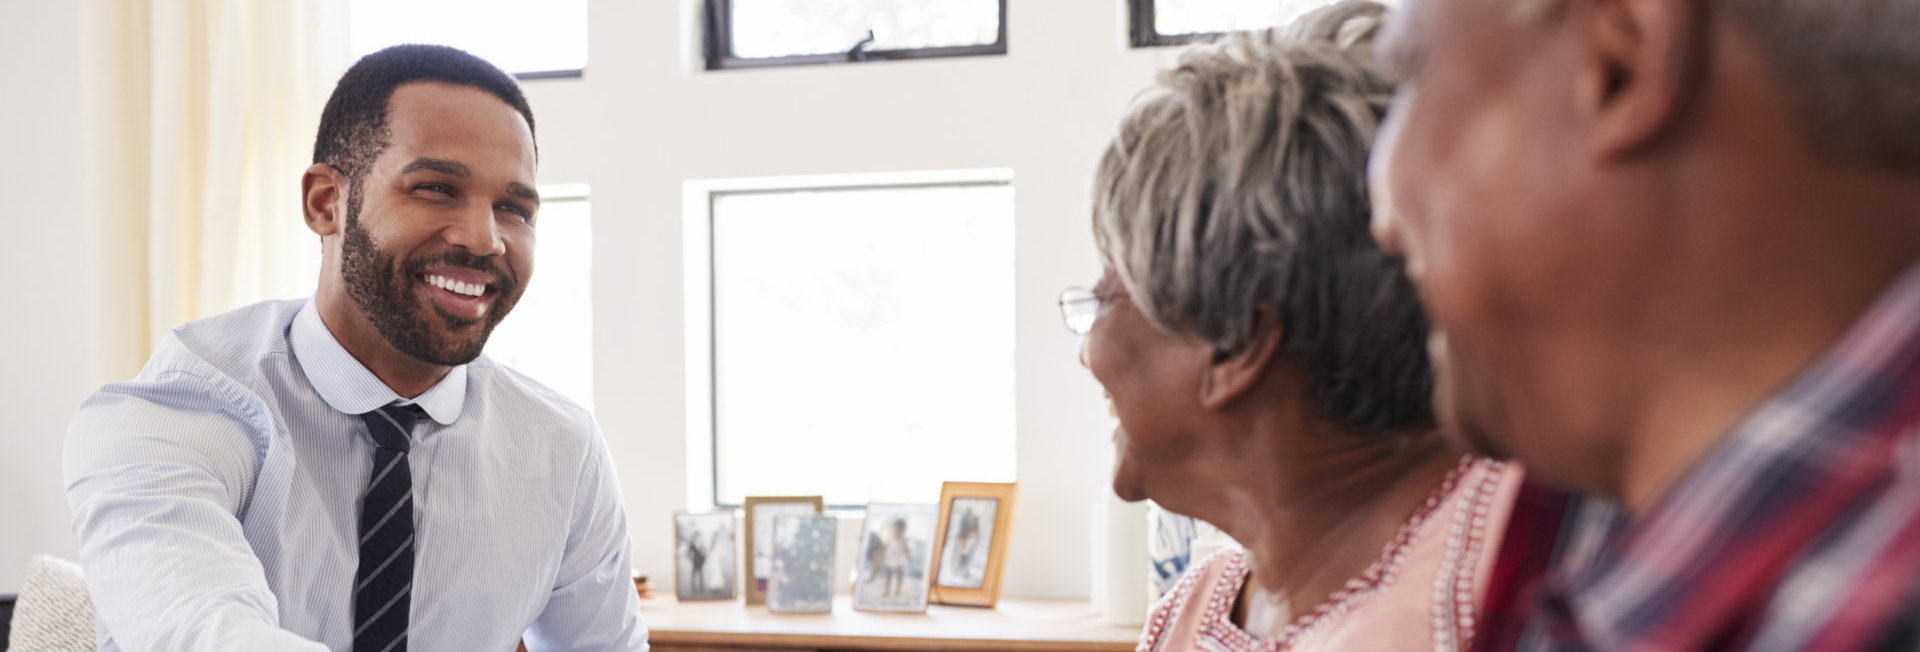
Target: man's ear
pixel 1640 68
pixel 1232 376
pixel 322 191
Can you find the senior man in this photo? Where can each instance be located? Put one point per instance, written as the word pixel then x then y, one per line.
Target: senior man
pixel 1669 249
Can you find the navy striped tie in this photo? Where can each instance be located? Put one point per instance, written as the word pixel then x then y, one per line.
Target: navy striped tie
pixel 383 587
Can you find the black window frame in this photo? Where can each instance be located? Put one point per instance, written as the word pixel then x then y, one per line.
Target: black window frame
pixel 574 73
pixel 717 46
pixel 713 303
pixel 1142 34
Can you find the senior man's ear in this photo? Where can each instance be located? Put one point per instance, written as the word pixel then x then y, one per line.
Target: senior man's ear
pixel 1232 375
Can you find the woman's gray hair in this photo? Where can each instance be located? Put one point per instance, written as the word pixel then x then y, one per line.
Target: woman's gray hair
pixel 1234 200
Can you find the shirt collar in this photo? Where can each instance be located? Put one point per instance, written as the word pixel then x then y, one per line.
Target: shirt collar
pixel 347 386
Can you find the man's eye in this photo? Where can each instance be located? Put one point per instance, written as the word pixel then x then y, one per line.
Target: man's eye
pixel 435 187
pixel 515 209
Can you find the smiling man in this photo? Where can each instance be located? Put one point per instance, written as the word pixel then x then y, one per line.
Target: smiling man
pixel 1671 252
pixel 349 472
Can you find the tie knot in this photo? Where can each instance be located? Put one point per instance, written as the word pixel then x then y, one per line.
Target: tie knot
pixel 391 425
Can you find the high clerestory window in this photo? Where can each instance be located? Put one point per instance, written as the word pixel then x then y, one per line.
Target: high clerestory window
pixel 759 33
pixel 1174 22
pixel 531 39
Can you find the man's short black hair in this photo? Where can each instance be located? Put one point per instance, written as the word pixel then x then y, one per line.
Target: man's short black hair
pixel 353 128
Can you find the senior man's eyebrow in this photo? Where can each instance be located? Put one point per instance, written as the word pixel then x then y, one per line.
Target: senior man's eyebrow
pixel 441 165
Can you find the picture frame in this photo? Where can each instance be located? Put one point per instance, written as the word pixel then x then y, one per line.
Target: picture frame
pixel 976 519
pixel 801 572
pixel 703 556
pixel 758 553
pixel 895 562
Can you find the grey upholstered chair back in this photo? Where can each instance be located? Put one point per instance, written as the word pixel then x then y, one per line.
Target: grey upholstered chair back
pixel 54 612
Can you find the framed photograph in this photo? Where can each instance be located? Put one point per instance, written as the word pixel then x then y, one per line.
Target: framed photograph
pixel 975 518
pixel 802 568
pixel 703 556
pixel 761 512
pixel 896 557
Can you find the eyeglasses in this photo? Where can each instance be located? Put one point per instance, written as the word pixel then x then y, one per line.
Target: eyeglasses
pixel 1081 307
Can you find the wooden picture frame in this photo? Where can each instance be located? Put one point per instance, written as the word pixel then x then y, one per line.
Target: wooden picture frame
pixel 758 526
pixel 703 556
pixel 961 576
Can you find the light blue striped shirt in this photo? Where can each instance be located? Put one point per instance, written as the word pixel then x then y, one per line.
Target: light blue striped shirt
pixel 217 498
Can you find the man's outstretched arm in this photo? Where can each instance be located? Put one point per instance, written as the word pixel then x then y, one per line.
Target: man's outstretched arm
pixel 156 471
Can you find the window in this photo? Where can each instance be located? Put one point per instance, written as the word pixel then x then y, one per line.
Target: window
pixel 530 38
pixel 1173 22
pixel 755 33
pixel 862 340
pixel 549 335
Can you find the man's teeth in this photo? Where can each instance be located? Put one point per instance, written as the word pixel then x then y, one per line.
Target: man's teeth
pixel 450 285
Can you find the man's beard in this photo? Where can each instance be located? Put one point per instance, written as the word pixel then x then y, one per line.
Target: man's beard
pixel 383 292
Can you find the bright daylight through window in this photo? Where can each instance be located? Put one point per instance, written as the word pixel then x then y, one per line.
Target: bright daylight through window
pixel 1176 18
pixel 764 32
pixel 549 335
pixel 524 37
pixel 863 341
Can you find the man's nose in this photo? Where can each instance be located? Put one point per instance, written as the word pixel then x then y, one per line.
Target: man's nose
pixel 477 231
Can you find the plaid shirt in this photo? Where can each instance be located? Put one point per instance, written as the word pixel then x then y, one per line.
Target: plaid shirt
pixel 1800 531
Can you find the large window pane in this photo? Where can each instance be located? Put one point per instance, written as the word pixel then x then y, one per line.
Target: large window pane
pixel 549 335
pixel 863 341
pixel 520 36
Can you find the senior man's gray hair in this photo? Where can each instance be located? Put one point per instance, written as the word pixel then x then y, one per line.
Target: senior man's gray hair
pixel 1851 67
pixel 1234 200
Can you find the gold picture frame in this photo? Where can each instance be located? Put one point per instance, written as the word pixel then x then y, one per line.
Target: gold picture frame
pixel 758 511
pixel 961 575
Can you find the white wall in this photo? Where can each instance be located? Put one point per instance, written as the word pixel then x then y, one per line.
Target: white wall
pixel 45 366
pixel 643 122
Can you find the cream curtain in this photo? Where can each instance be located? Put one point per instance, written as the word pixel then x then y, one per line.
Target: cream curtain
pixel 202 115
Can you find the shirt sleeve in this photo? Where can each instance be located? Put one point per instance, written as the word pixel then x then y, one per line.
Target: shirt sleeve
pixel 594 605
pixel 156 471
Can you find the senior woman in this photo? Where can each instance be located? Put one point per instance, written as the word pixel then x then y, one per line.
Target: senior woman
pixel 1267 361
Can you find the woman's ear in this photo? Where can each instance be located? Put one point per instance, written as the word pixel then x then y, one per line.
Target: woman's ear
pixel 1232 375
pixel 321 190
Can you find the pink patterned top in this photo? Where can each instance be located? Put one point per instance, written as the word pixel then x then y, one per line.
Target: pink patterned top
pixel 1419 595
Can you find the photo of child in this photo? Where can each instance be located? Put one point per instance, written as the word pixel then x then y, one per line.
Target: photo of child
pixel 963 557
pixel 896 557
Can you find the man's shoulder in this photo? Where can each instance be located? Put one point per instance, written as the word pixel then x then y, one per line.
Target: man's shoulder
pixel 1862 573
pixel 218 363
pixel 510 390
pixel 204 390
pixel 231 343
